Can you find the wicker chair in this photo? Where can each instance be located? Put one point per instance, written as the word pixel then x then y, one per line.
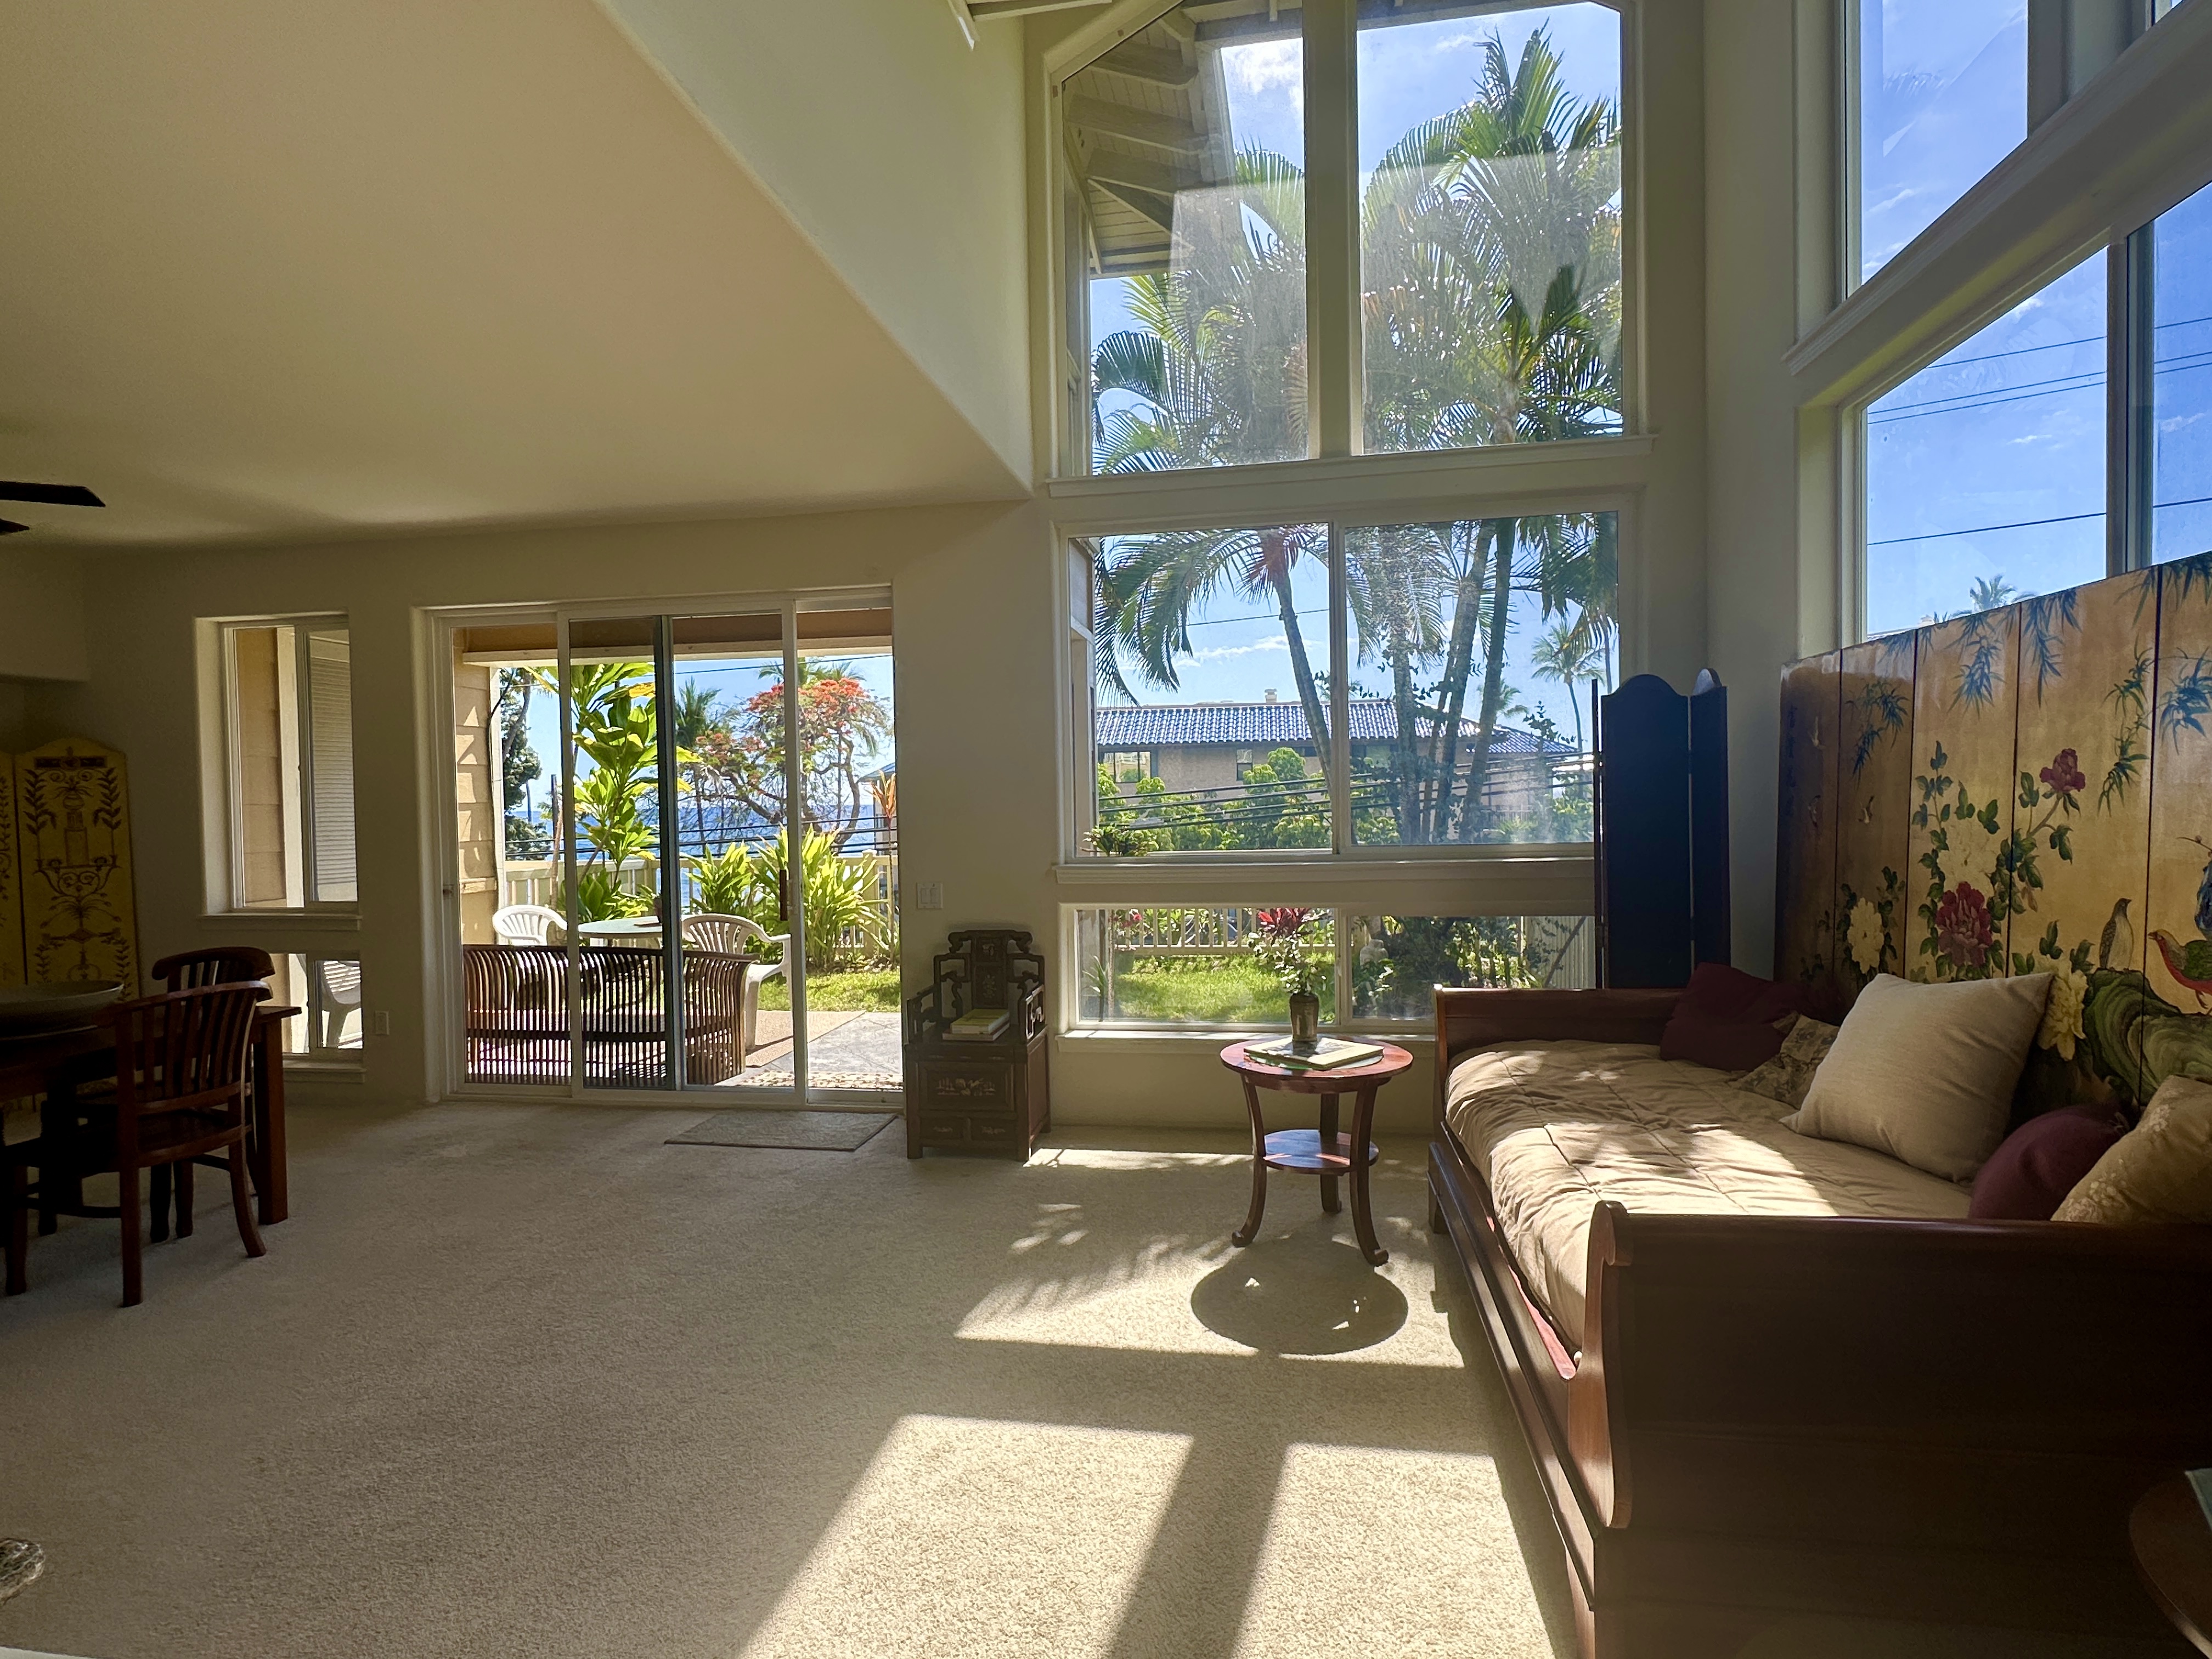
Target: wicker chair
pixel 735 936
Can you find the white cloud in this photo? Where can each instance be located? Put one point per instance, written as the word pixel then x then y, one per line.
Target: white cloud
pixel 1218 652
pixel 1268 66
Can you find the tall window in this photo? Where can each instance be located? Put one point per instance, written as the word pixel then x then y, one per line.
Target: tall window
pixel 1486 212
pixel 1186 144
pixel 289 695
pixel 1490 216
pixel 1467 649
pixel 2180 436
pixel 1985 471
pixel 1943 99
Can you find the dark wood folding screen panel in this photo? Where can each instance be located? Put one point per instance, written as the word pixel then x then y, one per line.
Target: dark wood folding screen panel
pixel 1662 831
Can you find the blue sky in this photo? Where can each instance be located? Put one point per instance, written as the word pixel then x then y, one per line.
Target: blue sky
pixel 1408 73
pixel 1989 463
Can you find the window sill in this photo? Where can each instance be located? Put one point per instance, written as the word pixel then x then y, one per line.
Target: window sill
pixel 1420 465
pixel 288 922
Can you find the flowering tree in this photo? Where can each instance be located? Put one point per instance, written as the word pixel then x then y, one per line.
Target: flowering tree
pixel 841 727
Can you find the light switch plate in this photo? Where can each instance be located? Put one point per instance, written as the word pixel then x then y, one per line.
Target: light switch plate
pixel 929 896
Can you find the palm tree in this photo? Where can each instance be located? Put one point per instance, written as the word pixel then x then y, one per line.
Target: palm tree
pixel 1568 654
pixel 1147 595
pixel 1990 593
pixel 1491 315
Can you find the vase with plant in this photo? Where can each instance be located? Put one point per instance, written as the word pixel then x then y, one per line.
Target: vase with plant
pixel 1279 945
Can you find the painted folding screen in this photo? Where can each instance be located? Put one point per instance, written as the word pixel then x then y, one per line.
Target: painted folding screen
pixel 2025 790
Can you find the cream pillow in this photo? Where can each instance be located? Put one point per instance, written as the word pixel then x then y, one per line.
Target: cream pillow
pixel 1925 1072
pixel 2160 1170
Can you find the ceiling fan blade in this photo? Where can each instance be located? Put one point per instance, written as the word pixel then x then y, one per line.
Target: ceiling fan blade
pixel 50 495
pixel 8 527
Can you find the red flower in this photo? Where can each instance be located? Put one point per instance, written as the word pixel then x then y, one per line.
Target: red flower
pixel 1962 927
pixel 2064 774
pixel 1282 922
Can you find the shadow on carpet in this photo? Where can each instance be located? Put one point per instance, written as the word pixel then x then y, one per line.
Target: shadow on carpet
pixel 799 1132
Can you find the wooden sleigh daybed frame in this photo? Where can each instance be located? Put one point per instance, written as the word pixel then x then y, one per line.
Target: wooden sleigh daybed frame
pixel 1777 1419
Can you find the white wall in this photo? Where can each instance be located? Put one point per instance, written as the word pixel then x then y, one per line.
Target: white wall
pixel 42 630
pixel 1754 574
pixel 898 150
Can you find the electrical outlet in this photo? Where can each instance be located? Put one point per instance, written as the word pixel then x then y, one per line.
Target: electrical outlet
pixel 929 896
pixel 380 1022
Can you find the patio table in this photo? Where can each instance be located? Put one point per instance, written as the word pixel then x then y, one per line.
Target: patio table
pixel 621 930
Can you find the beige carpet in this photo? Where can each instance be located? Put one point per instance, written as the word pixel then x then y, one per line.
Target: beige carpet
pixel 521 1381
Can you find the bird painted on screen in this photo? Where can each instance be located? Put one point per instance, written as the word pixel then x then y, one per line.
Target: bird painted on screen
pixel 2204 889
pixel 2190 963
pixel 2116 948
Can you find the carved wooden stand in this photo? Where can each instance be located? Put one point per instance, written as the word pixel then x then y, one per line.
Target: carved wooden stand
pixel 991 1098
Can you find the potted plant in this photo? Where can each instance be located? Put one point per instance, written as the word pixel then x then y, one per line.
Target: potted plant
pixel 1279 945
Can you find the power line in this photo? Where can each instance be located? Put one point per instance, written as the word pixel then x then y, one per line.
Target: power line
pixel 1959 404
pixel 2027 524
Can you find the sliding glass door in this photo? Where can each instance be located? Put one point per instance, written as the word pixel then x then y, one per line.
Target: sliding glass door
pixel 666 820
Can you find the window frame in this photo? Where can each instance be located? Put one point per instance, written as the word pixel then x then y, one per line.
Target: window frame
pixel 1346 857
pixel 1335 389
pixel 1341 1021
pixel 229 867
pixel 2062 70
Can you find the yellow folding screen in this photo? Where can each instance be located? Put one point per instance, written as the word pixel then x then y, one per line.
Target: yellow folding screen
pixel 2023 790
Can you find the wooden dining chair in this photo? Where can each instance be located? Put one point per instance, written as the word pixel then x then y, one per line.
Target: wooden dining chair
pixel 214 964
pixel 178 1094
pixel 187 970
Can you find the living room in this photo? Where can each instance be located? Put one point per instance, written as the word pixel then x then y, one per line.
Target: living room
pixel 1257 435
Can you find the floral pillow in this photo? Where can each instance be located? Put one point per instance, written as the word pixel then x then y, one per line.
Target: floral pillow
pixel 1789 1075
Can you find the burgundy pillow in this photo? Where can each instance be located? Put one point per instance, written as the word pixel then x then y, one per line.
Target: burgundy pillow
pixel 1726 1018
pixel 2029 1176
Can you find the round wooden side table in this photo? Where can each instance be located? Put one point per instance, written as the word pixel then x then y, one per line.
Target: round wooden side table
pixel 1323 1152
pixel 2174 1551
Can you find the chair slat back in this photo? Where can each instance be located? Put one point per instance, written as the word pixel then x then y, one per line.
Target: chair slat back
pixel 729 935
pixel 182 1051
pixel 217 964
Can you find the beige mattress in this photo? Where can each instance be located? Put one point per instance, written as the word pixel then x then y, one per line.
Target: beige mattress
pixel 1556 1126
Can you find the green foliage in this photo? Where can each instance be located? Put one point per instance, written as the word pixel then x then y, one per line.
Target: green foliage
pixel 1295 948
pixel 840 895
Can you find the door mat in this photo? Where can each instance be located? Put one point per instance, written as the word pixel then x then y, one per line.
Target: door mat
pixel 801 1131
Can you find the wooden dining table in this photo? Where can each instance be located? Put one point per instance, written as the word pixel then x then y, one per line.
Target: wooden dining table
pixel 50 1063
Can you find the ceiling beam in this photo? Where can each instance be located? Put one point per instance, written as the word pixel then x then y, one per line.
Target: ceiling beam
pixel 1140 126
pixel 985 11
pixel 1155 65
pixel 1157 210
pixel 1112 167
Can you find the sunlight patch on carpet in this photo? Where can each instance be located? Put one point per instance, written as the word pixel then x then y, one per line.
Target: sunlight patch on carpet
pixel 1304 1294
pixel 1026 1537
pixel 1408 1554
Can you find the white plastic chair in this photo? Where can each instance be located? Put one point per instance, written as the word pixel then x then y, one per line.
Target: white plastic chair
pixel 529 924
pixel 735 936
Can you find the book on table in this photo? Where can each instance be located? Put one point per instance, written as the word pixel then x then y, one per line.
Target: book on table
pixel 1328 1054
pixel 979 1025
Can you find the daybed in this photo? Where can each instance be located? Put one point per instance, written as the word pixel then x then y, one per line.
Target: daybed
pixel 1768 1379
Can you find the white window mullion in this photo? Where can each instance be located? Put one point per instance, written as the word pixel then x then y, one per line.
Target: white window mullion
pixel 1331 112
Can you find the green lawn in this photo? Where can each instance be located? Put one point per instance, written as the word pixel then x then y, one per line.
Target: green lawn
pixel 1227 991
pixel 876 991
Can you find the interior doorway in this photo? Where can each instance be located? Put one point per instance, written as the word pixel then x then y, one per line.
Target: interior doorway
pixel 677 853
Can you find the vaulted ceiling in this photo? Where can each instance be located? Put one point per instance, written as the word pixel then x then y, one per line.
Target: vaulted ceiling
pixel 275 269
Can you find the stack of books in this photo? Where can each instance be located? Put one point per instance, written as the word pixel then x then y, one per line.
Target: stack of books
pixel 1328 1054
pixel 979 1025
